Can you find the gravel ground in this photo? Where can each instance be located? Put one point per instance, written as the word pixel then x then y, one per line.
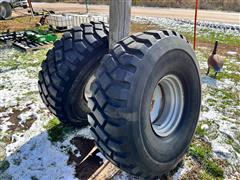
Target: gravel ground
pixel 187 14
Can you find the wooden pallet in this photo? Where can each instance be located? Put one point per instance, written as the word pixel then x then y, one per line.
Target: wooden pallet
pixel 59 29
pixel 10 36
pixel 31 46
pixel 106 171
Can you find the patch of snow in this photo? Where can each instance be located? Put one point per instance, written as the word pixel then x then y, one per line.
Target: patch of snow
pixel 4 126
pixel 213 83
pixel 84 132
pixel 124 176
pixel 181 171
pixel 17 83
pixel 211 114
pixel 221 151
pixel 30 153
pixel 99 154
pixel 78 154
pixel 187 25
pixel 208 81
pixel 232 53
pixel 204 127
pixel 40 159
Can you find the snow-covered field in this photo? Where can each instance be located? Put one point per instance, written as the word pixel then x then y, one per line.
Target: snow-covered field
pixel 33 145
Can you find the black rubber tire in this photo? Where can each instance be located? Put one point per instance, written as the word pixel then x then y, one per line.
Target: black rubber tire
pixel 67 69
pixel 8 10
pixel 121 99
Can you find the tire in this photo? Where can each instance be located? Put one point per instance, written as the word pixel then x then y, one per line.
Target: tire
pixel 5 10
pixel 68 68
pixel 122 99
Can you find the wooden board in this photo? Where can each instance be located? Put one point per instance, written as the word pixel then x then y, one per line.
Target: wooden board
pixel 106 171
pixel 32 47
pixel 120 15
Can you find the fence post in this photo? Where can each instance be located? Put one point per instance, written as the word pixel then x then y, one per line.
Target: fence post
pixel 195 26
pixel 120 19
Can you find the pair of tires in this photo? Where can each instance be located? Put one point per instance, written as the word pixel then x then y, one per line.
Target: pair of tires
pixel 145 95
pixel 5 10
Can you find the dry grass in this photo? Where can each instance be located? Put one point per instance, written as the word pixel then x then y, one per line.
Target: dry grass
pixel 18 23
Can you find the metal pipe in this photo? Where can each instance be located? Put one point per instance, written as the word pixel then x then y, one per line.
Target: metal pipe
pixel 195 26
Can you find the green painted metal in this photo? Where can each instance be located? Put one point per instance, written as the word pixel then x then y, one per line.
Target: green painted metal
pixel 41 36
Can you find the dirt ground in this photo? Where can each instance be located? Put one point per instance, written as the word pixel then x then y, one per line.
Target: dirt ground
pixel 18 23
pixel 205 15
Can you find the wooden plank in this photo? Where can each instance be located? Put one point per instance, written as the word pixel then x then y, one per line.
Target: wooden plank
pixel 120 16
pixel 106 171
pixel 39 47
pixel 29 49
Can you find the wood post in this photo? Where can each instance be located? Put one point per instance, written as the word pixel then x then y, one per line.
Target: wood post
pixel 86 2
pixel 30 6
pixel 120 19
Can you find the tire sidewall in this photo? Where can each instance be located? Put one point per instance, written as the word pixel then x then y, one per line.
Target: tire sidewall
pixel 163 58
pixel 74 96
pixel 8 10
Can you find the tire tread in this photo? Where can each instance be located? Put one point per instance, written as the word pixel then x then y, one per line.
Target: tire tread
pixel 62 64
pixel 113 80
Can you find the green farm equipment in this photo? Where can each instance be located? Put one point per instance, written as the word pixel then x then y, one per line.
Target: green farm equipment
pixel 40 37
pixel 29 40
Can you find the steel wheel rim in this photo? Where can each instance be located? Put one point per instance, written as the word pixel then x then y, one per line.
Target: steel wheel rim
pixel 167 105
pixel 87 92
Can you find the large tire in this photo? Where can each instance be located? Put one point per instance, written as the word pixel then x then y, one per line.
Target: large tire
pixel 5 10
pixel 122 99
pixel 68 68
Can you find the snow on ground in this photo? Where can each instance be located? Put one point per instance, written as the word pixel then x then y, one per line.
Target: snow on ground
pixel 27 152
pixel 38 158
pixel 187 25
pixel 26 149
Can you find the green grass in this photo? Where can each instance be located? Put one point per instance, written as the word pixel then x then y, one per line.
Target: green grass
pixel 232 143
pixel 4 165
pixel 34 178
pixel 211 132
pixel 203 175
pixel 30 93
pixel 202 152
pixel 17 161
pixel 56 130
pixel 22 59
pixel 210 36
pixel 225 97
pixel 212 102
pixel 199 131
pixel 238 136
pixel 227 75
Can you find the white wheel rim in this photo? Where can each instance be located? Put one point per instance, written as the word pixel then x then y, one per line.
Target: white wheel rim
pixel 87 91
pixel 167 105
